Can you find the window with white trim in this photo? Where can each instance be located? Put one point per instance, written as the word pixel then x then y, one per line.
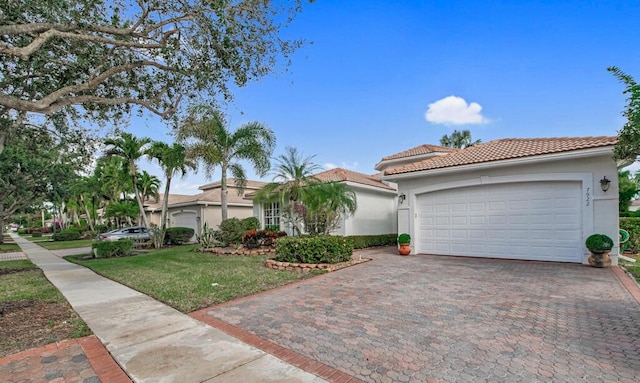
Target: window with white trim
pixel 271 214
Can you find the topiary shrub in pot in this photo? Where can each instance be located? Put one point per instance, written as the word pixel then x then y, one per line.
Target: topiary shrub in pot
pixel 404 240
pixel 599 245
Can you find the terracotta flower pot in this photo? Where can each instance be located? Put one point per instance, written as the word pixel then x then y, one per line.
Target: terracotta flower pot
pixel 404 249
pixel 600 259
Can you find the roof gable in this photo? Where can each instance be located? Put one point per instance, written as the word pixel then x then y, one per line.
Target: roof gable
pixel 344 175
pixel 420 150
pixel 504 149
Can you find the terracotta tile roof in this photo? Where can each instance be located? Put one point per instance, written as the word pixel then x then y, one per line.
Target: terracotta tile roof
pixel 209 195
pixel 231 183
pixel 505 149
pixel 344 175
pixel 420 150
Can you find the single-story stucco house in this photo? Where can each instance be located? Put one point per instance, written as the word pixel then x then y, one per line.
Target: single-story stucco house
pixel 377 204
pixel 195 210
pixel 529 199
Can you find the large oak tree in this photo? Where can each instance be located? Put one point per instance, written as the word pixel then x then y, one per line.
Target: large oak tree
pixel 95 59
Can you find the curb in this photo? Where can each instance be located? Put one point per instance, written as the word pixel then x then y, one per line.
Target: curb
pixel 627 282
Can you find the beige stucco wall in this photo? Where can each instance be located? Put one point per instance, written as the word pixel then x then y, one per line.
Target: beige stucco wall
pixel 212 214
pixel 600 209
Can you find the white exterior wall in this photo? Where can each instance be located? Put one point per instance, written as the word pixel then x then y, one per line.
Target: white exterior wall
pixel 376 213
pixel 599 209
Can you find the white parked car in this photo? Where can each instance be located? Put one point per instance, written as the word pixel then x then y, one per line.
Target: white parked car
pixel 137 233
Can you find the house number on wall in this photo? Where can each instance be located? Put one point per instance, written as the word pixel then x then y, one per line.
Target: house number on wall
pixel 588 197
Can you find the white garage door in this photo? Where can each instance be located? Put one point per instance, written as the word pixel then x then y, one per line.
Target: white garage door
pixel 533 220
pixel 186 219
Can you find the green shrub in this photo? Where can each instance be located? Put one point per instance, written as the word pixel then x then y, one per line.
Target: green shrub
pixel 66 235
pixel 106 249
pixel 632 225
pixel 23 231
pixel 599 243
pixel 178 235
pixel 208 237
pixel 250 223
pixel 231 231
pixel 253 239
pixel 272 228
pixel 101 228
pixel 320 249
pixel 364 241
pixel 36 234
pixel 404 238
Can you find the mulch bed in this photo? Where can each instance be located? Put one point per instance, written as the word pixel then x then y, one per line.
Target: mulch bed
pixel 29 323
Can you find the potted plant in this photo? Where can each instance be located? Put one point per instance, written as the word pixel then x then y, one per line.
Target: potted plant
pixel 404 240
pixel 599 245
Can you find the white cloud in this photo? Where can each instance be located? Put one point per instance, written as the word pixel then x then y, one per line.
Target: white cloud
pixel 453 110
pixel 343 165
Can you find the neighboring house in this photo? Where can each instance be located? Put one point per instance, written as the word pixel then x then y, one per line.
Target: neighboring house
pixel 376 200
pixel 635 205
pixel 530 199
pixel 195 210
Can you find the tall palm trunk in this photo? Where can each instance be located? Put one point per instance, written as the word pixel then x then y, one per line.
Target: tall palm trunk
pixel 145 221
pixel 223 193
pixel 86 211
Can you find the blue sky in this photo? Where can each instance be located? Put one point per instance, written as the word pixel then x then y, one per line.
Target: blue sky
pixel 362 88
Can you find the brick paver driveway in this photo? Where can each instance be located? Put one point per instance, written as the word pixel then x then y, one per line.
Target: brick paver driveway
pixel 429 318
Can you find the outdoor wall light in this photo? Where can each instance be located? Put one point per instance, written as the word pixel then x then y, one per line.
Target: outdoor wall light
pixel 604 184
pixel 401 198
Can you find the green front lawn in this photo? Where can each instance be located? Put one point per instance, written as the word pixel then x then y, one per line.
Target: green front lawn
pixel 9 248
pixel 189 280
pixel 57 245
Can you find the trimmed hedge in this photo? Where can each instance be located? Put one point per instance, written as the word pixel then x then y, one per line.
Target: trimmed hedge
pixel 106 249
pixel 321 249
pixel 364 241
pixel 66 235
pixel 178 235
pixel 36 234
pixel 632 225
pixel 599 243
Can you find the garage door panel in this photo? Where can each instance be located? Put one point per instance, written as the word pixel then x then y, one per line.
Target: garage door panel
pixel 534 220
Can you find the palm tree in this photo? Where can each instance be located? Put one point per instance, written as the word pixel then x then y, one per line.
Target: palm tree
pixel 111 174
pixel 173 160
pixel 81 188
pixel 326 203
pixel 459 139
pixel 209 140
pixel 148 184
pixel 131 149
pixel 292 177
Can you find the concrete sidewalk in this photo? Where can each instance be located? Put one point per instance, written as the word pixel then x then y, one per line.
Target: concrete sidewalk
pixel 153 342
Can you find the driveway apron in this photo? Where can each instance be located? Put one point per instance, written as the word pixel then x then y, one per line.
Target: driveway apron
pixel 449 319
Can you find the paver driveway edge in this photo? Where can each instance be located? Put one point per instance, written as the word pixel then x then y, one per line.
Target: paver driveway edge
pixel 302 362
pixel 627 282
pixel 101 361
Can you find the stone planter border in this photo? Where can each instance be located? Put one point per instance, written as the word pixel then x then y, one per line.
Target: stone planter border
pixel 226 251
pixel 309 267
